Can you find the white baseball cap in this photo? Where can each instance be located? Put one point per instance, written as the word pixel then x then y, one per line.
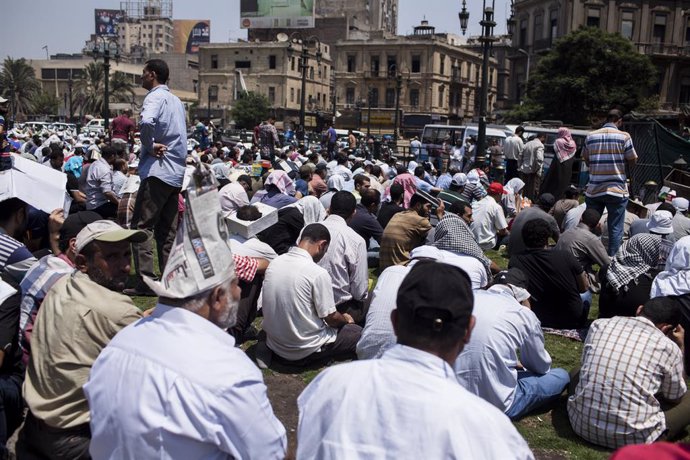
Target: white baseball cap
pixel 108 232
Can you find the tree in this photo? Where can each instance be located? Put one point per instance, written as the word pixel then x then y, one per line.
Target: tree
pixel 45 103
pixel 18 84
pixel 91 88
pixel 585 74
pixel 250 109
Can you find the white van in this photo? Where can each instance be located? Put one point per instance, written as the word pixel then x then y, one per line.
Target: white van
pixel 434 136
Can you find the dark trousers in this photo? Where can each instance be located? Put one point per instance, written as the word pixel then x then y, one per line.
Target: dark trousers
pixel 511 169
pixel 37 440
pixel 246 310
pixel 344 347
pixel 106 211
pixel 532 183
pixel 155 212
pixel 11 408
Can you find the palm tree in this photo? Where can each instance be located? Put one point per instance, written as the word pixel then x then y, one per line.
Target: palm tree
pixel 18 84
pixel 91 88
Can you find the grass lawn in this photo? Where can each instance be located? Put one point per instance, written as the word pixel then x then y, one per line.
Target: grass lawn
pixel 547 432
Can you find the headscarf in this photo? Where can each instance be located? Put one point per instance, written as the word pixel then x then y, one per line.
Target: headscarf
pixel 411 166
pixel 635 257
pixel 232 197
pixel 74 164
pixel 335 182
pixel 452 234
pixel 564 146
pixel 473 177
pixel 514 185
pixel 220 170
pixel 675 279
pixel 409 185
pixel 311 208
pixel 280 179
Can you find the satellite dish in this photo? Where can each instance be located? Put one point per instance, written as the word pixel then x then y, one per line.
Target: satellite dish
pixel 282 37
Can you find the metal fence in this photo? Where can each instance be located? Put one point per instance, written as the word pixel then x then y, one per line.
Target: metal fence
pixel 649 164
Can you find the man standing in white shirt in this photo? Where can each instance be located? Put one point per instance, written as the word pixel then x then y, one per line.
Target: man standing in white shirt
pixel 301 322
pixel 489 219
pixel 512 149
pixel 489 367
pixel 174 385
pixel 346 258
pixel 366 408
pixel 531 166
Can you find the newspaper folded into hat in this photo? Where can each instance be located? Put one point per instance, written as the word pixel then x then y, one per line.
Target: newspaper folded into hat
pixel 201 258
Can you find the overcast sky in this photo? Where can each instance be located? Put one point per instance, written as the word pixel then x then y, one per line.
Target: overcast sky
pixel 64 25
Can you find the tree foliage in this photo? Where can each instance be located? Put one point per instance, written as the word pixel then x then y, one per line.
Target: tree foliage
pixel 91 88
pixel 585 74
pixel 250 109
pixel 18 83
pixel 45 103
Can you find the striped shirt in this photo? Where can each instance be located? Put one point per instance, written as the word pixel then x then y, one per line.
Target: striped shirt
pixel 607 151
pixel 15 258
pixel 625 363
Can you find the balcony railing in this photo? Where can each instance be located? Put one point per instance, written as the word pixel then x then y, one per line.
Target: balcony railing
pixel 664 49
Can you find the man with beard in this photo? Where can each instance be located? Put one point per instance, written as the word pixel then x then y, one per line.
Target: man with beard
pixel 173 385
pixel 79 316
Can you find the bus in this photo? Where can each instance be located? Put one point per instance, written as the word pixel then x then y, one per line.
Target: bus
pixel 435 136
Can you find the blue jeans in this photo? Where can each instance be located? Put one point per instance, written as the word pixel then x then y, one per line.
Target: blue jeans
pixel 534 390
pixel 616 220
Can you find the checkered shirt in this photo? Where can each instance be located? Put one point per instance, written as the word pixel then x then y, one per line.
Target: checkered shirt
pixel 245 267
pixel 625 363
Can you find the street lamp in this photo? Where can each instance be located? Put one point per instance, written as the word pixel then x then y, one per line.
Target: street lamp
pixel 304 59
pixel 486 39
pixel 105 52
pixel 208 108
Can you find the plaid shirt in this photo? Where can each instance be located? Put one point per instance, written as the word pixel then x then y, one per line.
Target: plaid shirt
pixel 625 363
pixel 245 267
pixel 607 151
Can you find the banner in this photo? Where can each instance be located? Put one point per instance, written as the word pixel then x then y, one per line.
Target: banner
pixel 107 21
pixel 270 14
pixel 189 34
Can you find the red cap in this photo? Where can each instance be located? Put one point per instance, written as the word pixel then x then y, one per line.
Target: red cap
pixel 496 188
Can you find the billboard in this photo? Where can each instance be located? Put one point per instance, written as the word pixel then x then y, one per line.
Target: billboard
pixel 188 34
pixel 107 21
pixel 273 14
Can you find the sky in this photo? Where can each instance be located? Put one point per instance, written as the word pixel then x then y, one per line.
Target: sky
pixel 64 25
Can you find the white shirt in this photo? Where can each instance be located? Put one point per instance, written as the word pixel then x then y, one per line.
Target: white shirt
pixel 486 366
pixel 512 147
pixel 488 220
pixel 173 385
pixel 296 296
pixel 346 261
pixel 407 404
pixel 378 335
pixel 572 217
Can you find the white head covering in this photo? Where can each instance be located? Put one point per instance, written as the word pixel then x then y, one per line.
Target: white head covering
pixel 681 204
pixel 514 185
pixel 232 197
pixel 473 177
pixel 675 279
pixel 335 182
pixel 311 208
pixel 411 166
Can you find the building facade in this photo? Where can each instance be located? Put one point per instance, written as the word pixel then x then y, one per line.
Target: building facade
pixel 658 28
pixel 341 20
pixel 429 77
pixel 272 69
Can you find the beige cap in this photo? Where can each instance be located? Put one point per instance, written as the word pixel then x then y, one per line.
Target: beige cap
pixel 108 232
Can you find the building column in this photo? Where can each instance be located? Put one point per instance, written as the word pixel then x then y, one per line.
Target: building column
pixel 666 92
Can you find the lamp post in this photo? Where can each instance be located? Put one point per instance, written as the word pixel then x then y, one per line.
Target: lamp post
pixel 304 60
pixel 486 39
pixel 69 88
pixel 106 52
pixel 369 92
pixel 208 107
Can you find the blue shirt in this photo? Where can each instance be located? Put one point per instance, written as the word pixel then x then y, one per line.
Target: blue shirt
pixel 163 121
pixel 443 182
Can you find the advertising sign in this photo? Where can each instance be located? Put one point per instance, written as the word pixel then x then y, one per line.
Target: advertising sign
pixel 189 34
pixel 107 21
pixel 271 14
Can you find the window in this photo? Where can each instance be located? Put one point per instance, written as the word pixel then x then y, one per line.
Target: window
pixel 414 98
pixel 374 97
pixel 390 98
pixel 48 74
pixel 538 26
pixel 392 66
pixel 214 61
pixel 292 64
pixel 299 94
pixel 627 24
pixel 350 95
pixel 325 72
pixel 311 73
pixel 687 31
pixel 442 69
pixel 292 94
pixel 659 31
pixel 351 63
pixel 243 64
pixel 272 61
pixel 684 90
pixel 553 31
pixel 416 64
pixel 523 33
pixel 374 65
pixel 441 96
pixel 593 17
pixel 213 93
pixel 271 95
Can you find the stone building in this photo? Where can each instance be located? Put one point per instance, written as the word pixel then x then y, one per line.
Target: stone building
pixel 268 68
pixel 437 77
pixel 658 28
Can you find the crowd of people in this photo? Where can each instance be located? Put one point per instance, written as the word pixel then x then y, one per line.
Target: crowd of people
pixel 444 345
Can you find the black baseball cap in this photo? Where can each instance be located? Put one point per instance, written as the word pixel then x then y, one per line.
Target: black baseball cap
pixel 436 294
pixel 74 223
